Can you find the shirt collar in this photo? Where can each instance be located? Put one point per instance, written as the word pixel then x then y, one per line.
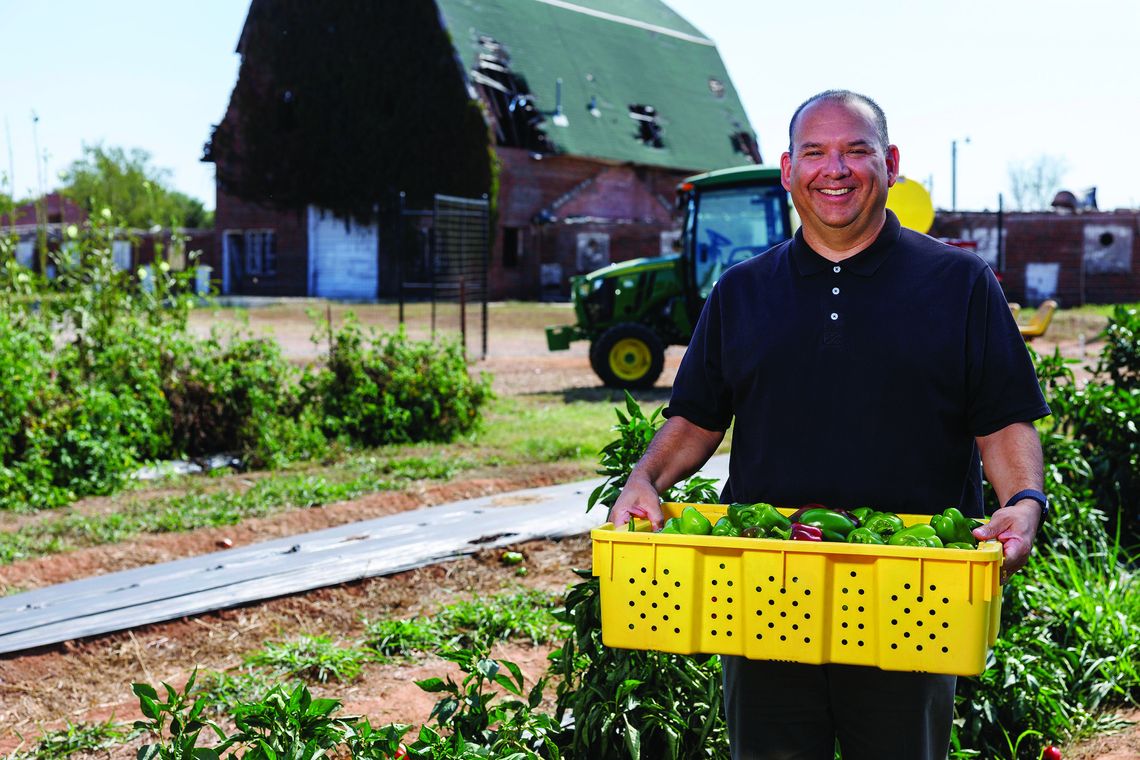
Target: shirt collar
pixel 864 263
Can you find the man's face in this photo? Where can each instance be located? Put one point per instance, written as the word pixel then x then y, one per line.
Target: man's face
pixel 837 171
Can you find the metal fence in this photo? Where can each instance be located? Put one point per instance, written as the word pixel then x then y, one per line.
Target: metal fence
pixel 444 262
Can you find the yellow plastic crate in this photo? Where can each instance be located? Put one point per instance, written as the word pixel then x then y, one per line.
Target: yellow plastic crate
pixel 892 607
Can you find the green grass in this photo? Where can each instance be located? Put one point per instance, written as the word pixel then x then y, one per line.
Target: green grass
pixel 526 614
pixel 207 505
pixel 316 658
pixel 517 431
pixel 77 738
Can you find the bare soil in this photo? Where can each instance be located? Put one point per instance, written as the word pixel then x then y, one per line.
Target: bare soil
pixel 89 680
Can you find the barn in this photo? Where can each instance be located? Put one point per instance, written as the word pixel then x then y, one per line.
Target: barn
pixel 574 120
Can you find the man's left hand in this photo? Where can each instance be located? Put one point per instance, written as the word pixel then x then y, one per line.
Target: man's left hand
pixel 1015 526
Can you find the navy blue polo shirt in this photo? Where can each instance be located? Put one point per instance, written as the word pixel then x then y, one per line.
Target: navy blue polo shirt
pixel 858 383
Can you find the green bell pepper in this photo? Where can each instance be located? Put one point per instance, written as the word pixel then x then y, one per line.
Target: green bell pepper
pixel 741 515
pixel 768 517
pixel 724 527
pixel 916 535
pixel 862 513
pixel 693 523
pixel 672 525
pixel 864 536
pixel 960 545
pixel 953 527
pixel 885 524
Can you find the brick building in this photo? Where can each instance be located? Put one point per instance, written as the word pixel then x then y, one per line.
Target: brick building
pixel 45 223
pixel 1073 258
pixel 594 111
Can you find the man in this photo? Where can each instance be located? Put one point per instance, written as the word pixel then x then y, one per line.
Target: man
pixel 864 365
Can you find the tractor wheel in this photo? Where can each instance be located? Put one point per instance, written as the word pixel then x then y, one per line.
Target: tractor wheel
pixel 628 355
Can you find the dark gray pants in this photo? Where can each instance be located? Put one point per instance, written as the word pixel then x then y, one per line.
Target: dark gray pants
pixel 790 711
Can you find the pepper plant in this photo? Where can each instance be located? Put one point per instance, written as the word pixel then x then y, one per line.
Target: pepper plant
pixel 633 704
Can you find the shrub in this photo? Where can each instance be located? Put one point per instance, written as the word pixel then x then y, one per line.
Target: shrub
pixel 1101 418
pixel 237 393
pixel 99 374
pixel 384 388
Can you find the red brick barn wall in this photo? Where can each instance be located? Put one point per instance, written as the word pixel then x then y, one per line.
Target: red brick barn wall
pixel 1074 243
pixel 292 240
pixel 633 205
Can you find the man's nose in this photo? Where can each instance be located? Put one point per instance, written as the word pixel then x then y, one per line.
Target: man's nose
pixel 836 165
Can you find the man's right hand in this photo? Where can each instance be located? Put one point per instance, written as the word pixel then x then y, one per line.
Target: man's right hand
pixel 638 499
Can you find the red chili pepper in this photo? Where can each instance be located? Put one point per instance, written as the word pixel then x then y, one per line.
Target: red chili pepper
pixel 801 532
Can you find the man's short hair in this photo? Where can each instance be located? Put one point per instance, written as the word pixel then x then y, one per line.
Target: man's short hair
pixel 843 96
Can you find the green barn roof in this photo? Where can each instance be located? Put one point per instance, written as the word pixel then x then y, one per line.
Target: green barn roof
pixel 613 54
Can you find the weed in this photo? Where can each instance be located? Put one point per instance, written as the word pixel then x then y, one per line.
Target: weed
pixel 475 623
pixel 77 738
pixel 222 691
pixel 313 657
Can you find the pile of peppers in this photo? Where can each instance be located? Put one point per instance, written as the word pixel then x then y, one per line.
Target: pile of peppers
pixel 864 525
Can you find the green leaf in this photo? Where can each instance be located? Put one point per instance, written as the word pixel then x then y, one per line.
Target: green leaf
pixel 323 706
pixel 149 707
pixel 432 684
pixel 632 739
pixel 144 690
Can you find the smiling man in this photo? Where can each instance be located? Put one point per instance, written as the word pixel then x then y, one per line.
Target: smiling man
pixel 838 173
pixel 862 365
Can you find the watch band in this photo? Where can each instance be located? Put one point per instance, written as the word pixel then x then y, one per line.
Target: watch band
pixel 1035 495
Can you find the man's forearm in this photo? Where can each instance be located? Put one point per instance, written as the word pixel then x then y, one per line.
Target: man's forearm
pixel 679 449
pixel 1012 459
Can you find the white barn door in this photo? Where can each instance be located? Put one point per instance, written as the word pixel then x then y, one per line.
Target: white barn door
pixel 342 257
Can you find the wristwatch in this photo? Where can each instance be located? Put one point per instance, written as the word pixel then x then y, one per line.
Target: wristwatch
pixel 1035 495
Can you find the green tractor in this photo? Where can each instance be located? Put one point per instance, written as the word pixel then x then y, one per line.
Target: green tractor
pixel 632 310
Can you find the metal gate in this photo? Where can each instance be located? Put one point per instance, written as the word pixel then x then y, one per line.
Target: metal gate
pixel 443 264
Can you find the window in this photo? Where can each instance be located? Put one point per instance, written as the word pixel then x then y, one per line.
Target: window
pixel 252 252
pixel 511 243
pixel 260 252
pixel 731 225
pixel 121 254
pixel 26 253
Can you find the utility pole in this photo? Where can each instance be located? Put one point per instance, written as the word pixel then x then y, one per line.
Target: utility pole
pixel 954 173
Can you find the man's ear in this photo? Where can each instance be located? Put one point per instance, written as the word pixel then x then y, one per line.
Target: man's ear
pixel 892 164
pixel 786 171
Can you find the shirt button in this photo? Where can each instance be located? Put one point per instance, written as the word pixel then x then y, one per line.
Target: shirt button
pixel 837 269
pixel 835 291
pixel 834 316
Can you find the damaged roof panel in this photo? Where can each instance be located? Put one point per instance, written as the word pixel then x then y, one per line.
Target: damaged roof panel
pixel 612 55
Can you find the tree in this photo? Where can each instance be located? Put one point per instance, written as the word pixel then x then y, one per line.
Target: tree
pixel 138 194
pixel 1033 182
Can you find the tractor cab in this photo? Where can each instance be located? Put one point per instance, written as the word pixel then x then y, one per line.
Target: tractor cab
pixel 632 310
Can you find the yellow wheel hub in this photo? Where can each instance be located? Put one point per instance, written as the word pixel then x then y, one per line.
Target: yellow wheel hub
pixel 630 359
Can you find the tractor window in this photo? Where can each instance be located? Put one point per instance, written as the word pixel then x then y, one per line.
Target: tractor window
pixel 732 225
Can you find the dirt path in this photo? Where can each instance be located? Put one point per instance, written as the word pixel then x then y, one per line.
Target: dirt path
pixel 89 680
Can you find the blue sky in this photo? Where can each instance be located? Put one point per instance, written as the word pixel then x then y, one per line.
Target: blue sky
pixel 1020 78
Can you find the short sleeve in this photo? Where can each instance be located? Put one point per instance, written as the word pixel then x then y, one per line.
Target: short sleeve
pixel 1002 383
pixel 700 393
